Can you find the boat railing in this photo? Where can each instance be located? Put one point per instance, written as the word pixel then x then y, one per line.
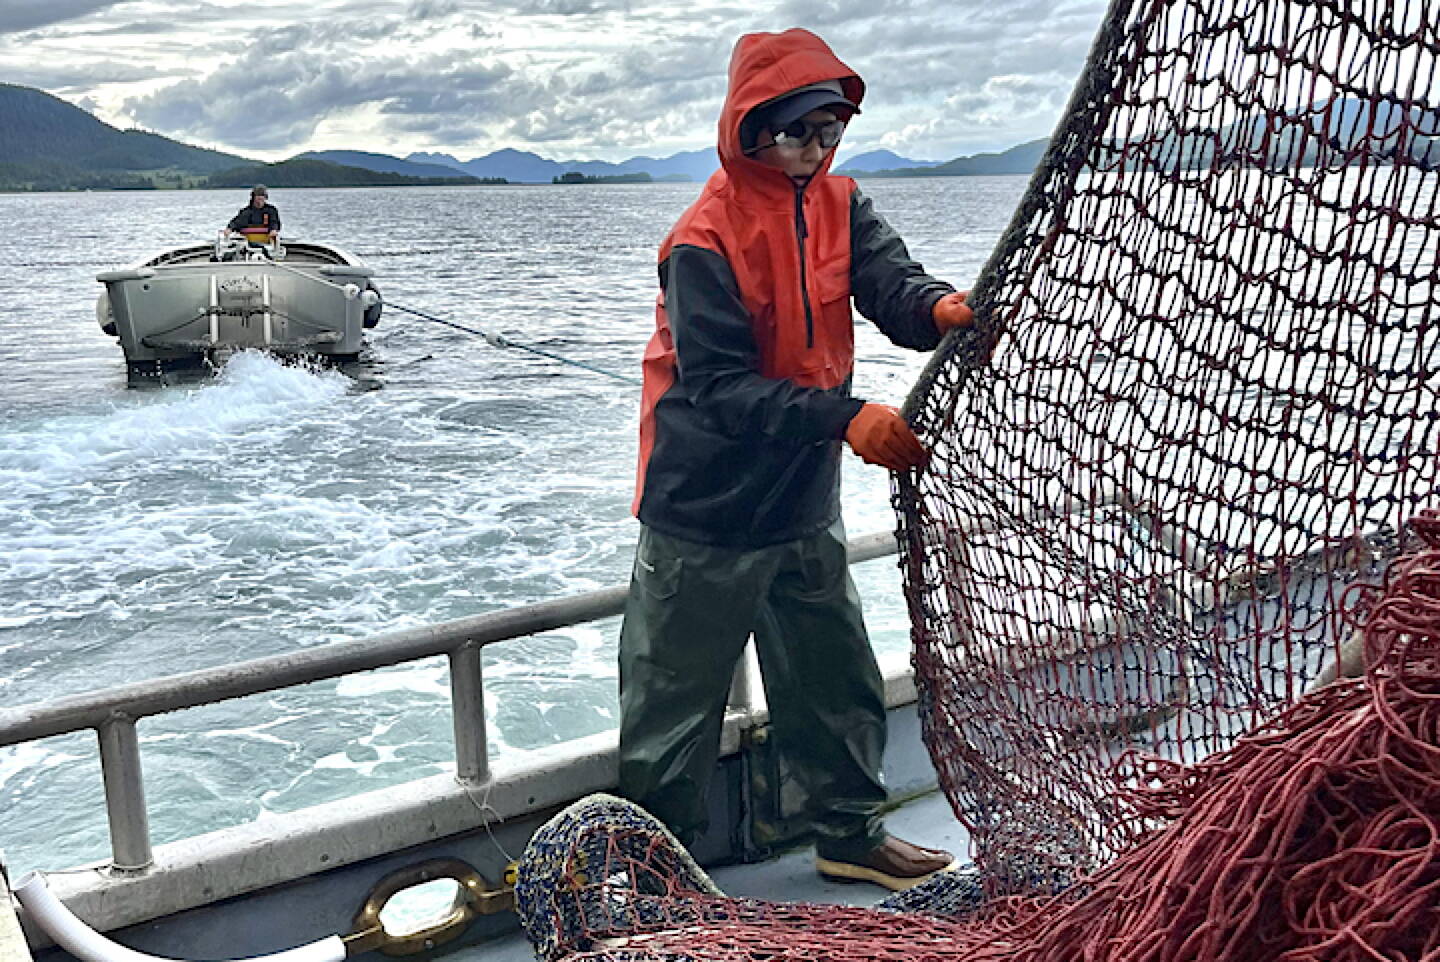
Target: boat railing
pixel 113 713
pixel 140 884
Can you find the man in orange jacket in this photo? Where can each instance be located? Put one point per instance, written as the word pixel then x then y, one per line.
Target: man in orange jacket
pixel 745 405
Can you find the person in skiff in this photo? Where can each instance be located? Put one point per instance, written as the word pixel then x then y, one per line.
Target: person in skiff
pixel 258 220
pixel 745 407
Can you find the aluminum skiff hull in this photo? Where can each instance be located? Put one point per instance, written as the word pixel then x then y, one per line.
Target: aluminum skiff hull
pixel 182 307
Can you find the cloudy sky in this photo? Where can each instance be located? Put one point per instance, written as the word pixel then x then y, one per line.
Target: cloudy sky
pixel 605 79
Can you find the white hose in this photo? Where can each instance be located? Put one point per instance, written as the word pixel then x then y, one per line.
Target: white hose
pixel 83 942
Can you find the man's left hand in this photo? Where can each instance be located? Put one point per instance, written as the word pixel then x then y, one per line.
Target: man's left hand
pixel 951 311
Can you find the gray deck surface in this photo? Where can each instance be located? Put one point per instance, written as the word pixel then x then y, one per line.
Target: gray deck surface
pixel 791 878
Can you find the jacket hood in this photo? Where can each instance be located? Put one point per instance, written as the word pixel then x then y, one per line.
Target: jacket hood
pixel 764 66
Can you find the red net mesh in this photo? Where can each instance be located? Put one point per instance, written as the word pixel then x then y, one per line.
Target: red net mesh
pixel 1210 406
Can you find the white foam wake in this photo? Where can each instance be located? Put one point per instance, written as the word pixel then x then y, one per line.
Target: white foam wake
pixel 253 393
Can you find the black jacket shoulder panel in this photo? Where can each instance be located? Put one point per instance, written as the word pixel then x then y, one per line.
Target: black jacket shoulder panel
pixel 891 288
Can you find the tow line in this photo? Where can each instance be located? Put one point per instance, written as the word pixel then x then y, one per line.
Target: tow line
pixel 500 340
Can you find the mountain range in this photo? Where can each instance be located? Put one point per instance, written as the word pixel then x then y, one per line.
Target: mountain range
pixel 52 144
pixel 873 160
pixel 1020 159
pixel 383 163
pixel 308 171
pixel 524 167
pixel 49 144
pixel 1328 133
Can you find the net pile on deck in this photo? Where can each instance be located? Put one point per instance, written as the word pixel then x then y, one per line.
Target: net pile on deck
pixel 1316 836
pixel 1198 408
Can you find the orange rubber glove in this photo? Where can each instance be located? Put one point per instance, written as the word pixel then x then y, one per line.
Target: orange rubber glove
pixel 952 311
pixel 880 435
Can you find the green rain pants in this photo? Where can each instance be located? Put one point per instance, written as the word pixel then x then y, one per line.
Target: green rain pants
pixel 690 611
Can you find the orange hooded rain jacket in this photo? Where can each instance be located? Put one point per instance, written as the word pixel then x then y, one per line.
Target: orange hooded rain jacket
pixel 747 377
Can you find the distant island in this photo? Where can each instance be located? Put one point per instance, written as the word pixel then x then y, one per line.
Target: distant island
pixel 575 177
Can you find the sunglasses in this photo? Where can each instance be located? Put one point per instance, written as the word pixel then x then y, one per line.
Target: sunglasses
pixel 799 133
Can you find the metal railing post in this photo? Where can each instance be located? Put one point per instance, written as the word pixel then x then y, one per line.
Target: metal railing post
pixel 467 693
pixel 124 794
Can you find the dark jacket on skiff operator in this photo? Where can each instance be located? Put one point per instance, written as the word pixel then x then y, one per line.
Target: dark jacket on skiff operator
pixel 250 216
pixel 747 377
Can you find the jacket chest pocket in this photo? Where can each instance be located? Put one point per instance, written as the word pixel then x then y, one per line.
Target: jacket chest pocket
pixel 832 282
pixel 831 358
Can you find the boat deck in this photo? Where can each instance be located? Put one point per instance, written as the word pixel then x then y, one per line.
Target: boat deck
pixel 926 820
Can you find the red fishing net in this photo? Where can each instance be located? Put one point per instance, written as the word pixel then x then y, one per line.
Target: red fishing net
pixel 1200 406
pixel 1316 836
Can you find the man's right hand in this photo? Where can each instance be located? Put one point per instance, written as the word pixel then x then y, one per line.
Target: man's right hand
pixel 880 435
pixel 951 311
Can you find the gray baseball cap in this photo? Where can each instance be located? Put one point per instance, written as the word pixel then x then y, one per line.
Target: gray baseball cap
pixel 790 107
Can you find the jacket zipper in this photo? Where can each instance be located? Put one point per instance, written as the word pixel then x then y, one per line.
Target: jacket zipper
pixel 802 232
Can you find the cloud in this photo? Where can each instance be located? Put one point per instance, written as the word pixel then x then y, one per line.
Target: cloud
pixel 931 74
pixel 17 15
pixel 479 93
pixel 71 81
pixel 431 9
pixel 305 80
pixel 563 8
pixel 578 78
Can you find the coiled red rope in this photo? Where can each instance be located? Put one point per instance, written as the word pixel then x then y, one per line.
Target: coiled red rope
pixel 1317 836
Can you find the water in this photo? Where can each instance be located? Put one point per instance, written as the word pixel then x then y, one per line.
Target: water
pixel 144 533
